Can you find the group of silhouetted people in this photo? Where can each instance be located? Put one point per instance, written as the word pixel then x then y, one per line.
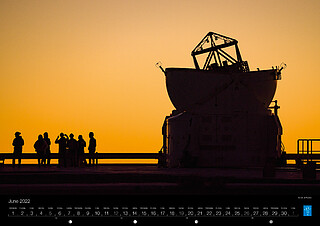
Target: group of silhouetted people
pixel 42 148
pixel 71 151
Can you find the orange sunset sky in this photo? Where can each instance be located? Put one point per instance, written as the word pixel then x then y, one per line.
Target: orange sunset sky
pixel 87 65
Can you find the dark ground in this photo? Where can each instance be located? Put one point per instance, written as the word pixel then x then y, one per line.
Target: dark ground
pixel 140 179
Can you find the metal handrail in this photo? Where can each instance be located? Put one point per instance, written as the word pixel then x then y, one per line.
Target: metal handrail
pixel 306 146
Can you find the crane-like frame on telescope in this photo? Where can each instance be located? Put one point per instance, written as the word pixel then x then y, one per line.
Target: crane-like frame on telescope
pixel 222 59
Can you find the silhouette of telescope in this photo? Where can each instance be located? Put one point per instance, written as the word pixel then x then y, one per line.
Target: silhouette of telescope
pixel 222 115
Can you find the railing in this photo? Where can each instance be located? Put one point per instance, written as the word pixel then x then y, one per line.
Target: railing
pixel 96 156
pixel 305 147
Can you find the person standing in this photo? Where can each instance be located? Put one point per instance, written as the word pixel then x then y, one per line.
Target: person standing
pixel 17 143
pixel 62 141
pixel 81 145
pixel 92 147
pixel 73 147
pixel 48 151
pixel 40 146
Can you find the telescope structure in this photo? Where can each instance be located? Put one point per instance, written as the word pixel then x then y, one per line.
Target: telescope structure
pixel 223 115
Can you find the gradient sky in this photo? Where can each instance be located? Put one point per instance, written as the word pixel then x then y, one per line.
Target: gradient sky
pixel 87 65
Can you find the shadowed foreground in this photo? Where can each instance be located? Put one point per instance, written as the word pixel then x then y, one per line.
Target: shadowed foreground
pixel 146 179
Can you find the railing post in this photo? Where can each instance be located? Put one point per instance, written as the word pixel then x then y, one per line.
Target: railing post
pixel 308 150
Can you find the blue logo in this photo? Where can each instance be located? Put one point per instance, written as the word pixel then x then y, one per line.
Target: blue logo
pixel 307 210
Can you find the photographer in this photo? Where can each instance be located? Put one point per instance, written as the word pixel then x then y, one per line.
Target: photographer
pixel 62 141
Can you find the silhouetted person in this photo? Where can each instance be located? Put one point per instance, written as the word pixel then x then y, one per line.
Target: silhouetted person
pixel 40 146
pixel 48 151
pixel 92 147
pixel 62 141
pixel 164 135
pixel 81 145
pixel 17 143
pixel 73 147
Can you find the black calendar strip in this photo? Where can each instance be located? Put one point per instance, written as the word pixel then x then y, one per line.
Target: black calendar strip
pixel 199 211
